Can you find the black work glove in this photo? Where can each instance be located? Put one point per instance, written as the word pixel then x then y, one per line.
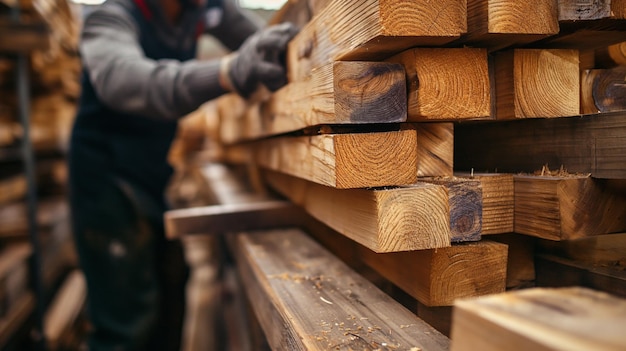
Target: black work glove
pixel 261 60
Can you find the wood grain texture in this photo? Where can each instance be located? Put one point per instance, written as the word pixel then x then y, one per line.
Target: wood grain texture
pixel 498 201
pixel 587 144
pixel 435 149
pixel 465 198
pixel 344 160
pixel 540 319
pixel 496 24
pixel 581 10
pixel 386 220
pixel 372 30
pixel 446 83
pixel 603 90
pixel 535 83
pixel 568 207
pixel 306 299
pixel 337 93
pixel 611 56
pixel 438 277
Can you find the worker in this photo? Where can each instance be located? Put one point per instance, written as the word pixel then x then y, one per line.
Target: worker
pixel 140 76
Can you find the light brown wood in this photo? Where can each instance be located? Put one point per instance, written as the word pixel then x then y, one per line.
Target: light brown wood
pixel 385 220
pixel 501 23
pixel 435 149
pixel 591 144
pixel 336 93
pixel 498 198
pixel 438 277
pixel 344 160
pixel 567 207
pixel 611 56
pixel 372 30
pixel 466 206
pixel 65 308
pixel 306 299
pixel 536 83
pixel 540 319
pixel 446 84
pixel 220 219
pixel 12 189
pixel 603 90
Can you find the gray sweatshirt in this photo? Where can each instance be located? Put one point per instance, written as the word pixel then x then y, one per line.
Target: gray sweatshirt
pixel 127 81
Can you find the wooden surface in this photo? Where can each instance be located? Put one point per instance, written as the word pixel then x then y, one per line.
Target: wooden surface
pixel 446 84
pixel 22 37
pixel 567 207
pixel 577 10
pixel 383 28
pixel 336 93
pixel 603 90
pixel 465 198
pixel 65 308
pixel 438 277
pixel 540 319
pixel 587 144
pixel 225 218
pixel 306 299
pixel 12 189
pixel 344 160
pixel 384 220
pixel 611 56
pixel 16 318
pixel 435 149
pixel 537 83
pixel 500 23
pixel 520 267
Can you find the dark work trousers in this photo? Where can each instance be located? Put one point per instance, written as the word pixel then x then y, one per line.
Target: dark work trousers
pixel 135 277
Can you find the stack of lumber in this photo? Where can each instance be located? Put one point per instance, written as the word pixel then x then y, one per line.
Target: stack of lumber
pixel 54 70
pixel 445 145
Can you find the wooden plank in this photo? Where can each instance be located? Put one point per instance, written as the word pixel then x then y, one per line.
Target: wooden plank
pixel 440 317
pixel 438 277
pixel 219 219
pixel 555 271
pixel 611 56
pixel 12 188
pixel 65 308
pixel 540 319
pixel 567 207
pixel 603 90
pixel 580 10
pixel 446 83
pixel 381 29
pixel 306 299
pixel 435 149
pixel 537 83
pixel 336 93
pixel 344 160
pixel 591 144
pixel 466 206
pixel 383 220
pixel 497 24
pixel 520 268
pixel 16 318
pixel 22 37
pixel 498 201
pixel 13 221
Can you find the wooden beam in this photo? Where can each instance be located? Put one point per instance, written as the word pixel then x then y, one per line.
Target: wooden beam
pixel 497 24
pixel 611 56
pixel 219 219
pixel 520 268
pixel 384 220
pixel 498 201
pixel 306 299
pixel 588 144
pixel 446 83
pixel 537 83
pixel 336 93
pixel 16 317
pixel 344 160
pixel 12 188
pixel 65 308
pixel 438 277
pixel 23 37
pixel 466 206
pixel 435 149
pixel 383 28
pixel 567 207
pixel 540 319
pixel 603 90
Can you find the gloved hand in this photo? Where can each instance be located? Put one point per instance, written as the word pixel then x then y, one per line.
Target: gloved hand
pixel 260 60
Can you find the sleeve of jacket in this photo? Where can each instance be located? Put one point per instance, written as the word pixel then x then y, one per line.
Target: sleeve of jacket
pixel 126 80
pixel 236 25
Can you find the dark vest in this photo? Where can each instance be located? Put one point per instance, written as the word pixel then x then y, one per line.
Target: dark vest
pixel 131 147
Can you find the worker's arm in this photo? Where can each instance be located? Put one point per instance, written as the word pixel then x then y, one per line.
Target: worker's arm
pixel 234 26
pixel 126 80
